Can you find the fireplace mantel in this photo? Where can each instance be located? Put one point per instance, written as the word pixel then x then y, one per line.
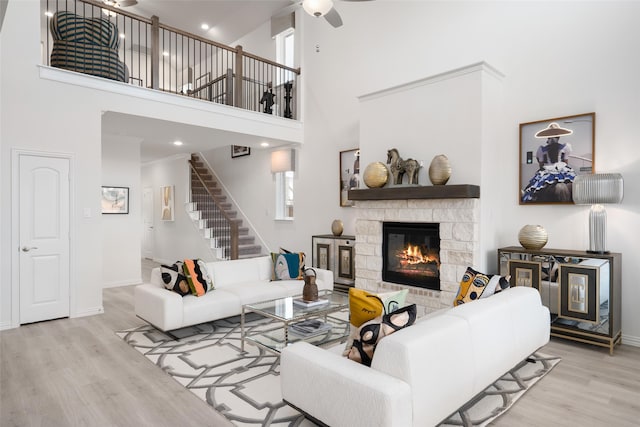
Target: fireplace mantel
pixel 461 191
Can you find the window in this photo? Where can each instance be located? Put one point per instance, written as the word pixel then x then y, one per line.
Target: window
pixel 284 195
pixel 285 46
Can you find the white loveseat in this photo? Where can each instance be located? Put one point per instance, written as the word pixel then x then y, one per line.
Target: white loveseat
pixel 422 374
pixel 236 282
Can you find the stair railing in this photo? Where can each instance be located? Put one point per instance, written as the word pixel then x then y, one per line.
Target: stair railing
pixel 223 224
pixel 160 57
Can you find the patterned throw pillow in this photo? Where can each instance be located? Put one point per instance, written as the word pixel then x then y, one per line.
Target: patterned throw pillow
pixel 475 285
pixel 364 306
pixel 173 278
pixel 288 266
pixel 197 277
pixel 370 333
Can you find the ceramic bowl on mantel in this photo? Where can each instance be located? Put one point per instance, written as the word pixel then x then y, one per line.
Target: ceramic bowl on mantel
pixel 533 237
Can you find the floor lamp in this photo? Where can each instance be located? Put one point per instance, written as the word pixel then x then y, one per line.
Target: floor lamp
pixel 595 190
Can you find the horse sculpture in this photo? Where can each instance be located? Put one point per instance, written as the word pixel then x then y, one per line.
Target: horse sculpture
pixel 399 167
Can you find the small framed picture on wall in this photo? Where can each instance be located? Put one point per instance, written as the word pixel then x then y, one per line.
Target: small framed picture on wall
pixel 115 200
pixel 167 208
pixel 239 151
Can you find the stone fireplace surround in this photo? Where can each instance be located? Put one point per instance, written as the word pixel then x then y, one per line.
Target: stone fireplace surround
pixel 459 237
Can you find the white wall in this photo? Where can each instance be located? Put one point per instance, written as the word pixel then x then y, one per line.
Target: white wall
pixel 54 110
pixel 558 58
pixel 178 239
pixel 121 233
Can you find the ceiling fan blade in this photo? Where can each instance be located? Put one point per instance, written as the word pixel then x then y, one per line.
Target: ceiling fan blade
pixel 333 18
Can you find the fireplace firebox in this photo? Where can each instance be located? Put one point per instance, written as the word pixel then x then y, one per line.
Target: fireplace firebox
pixel 411 254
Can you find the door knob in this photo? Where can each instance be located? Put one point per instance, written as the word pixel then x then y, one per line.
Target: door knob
pixel 27 248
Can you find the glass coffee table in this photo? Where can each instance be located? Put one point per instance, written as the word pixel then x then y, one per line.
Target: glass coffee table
pixel 321 327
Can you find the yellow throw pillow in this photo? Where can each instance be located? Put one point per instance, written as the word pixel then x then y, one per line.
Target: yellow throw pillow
pixel 364 306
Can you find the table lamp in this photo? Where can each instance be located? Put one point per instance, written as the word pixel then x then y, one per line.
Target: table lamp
pixel 596 189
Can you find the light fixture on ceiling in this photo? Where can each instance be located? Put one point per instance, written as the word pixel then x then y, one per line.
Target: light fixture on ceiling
pixel 204 26
pixel 264 144
pixel 177 143
pixel 596 189
pixel 317 8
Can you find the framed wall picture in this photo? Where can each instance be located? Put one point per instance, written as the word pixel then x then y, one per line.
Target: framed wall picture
pixel 349 174
pixel 552 153
pixel 115 200
pixel 239 151
pixel 167 203
pixel 525 273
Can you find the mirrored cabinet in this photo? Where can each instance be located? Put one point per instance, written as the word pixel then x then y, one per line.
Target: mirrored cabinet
pixel 582 290
pixel 336 253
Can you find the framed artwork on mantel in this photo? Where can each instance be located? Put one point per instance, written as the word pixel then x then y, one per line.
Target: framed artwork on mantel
pixel 349 174
pixel 552 153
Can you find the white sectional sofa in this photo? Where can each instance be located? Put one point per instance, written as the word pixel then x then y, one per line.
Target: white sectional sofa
pixel 236 282
pixel 422 374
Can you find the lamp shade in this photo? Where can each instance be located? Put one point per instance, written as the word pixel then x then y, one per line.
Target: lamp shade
pixel 317 7
pixel 589 189
pixel 283 160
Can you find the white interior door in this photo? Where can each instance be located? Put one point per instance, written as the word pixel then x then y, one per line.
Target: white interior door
pixel 147 215
pixel 44 237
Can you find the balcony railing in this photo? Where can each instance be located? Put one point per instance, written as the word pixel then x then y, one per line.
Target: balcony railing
pixel 94 38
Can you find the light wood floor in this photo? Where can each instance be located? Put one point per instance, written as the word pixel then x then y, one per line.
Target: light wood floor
pixel 77 372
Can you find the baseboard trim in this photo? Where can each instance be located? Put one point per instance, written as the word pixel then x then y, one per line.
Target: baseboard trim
pixel 122 283
pixel 89 312
pixel 6 325
pixel 629 340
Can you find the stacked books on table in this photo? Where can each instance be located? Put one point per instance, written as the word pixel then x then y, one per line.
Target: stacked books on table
pixel 309 328
pixel 302 303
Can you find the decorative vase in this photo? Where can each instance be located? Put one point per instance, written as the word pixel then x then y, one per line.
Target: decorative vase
pixel 533 236
pixel 337 228
pixel 439 170
pixel 376 175
pixel 310 288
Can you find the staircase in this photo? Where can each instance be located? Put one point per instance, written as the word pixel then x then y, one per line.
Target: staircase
pixel 216 217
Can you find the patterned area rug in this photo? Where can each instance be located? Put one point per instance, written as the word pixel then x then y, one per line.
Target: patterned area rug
pixel 245 388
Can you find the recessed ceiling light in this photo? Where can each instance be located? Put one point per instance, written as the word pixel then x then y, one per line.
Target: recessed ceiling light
pixel 178 143
pixel 264 144
pixel 204 26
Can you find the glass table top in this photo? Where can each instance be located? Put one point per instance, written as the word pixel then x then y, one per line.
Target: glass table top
pixel 291 308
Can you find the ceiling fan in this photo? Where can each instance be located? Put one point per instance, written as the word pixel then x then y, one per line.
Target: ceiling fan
pixel 324 8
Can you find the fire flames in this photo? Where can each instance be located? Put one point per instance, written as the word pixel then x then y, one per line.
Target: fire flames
pixel 412 255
